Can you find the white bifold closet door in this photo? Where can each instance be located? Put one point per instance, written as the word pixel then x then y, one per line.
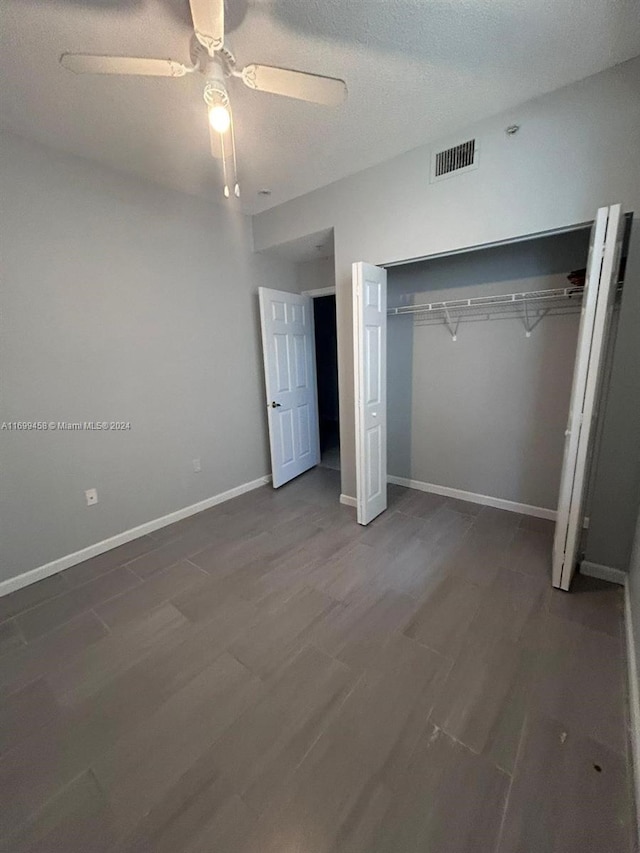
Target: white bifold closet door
pixel 370 378
pixel 288 345
pixel 597 306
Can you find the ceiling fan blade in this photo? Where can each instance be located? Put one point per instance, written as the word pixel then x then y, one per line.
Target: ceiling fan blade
pixel 208 23
pixel 295 84
pixel 81 63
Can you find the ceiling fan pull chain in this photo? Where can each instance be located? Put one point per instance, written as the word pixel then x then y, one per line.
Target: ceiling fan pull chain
pixel 224 168
pixel 236 185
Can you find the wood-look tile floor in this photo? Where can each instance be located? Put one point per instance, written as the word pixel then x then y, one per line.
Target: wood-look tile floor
pixel 269 677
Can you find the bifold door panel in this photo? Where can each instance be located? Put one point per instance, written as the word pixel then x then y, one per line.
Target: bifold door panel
pixel 370 378
pixel 290 380
pixel 595 321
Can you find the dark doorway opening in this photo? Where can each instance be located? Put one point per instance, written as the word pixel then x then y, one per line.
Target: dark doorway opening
pixel 324 312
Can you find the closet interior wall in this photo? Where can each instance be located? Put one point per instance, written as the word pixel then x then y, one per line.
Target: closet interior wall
pixel 485 413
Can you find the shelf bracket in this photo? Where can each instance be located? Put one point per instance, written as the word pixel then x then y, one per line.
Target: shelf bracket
pixel 453 327
pixel 529 323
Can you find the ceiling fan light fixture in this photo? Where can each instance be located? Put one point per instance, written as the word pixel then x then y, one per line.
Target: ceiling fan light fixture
pixel 219 118
pixel 216 63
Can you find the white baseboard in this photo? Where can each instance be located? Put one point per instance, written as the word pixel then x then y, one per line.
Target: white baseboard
pixel 59 565
pixel 603 573
pixel 634 703
pixel 347 500
pixel 472 497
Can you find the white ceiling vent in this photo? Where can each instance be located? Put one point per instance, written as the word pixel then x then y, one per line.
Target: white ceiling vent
pixel 455 160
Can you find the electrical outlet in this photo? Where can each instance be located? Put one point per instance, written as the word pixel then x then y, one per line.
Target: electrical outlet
pixel 197 467
pixel 91 496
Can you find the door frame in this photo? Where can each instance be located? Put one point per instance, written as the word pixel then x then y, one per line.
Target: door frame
pixel 320 291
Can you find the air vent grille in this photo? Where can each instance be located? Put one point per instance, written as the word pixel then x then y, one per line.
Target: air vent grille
pixel 454 159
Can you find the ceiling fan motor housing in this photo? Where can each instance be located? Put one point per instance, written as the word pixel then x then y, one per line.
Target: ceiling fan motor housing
pixel 206 64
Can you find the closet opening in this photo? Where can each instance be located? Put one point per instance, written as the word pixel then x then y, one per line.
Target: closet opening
pixel 497 362
pixel 326 346
pixel 478 398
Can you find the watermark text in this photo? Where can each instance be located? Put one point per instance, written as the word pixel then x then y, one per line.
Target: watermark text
pixel 64 426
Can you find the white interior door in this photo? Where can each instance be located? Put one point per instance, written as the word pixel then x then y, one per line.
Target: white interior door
pixel 597 305
pixel 288 345
pixel 370 356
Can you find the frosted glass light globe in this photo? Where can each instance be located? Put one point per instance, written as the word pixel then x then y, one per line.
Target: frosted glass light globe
pixel 219 118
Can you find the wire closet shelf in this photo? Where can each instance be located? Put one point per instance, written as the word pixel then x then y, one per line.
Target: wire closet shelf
pixel 529 307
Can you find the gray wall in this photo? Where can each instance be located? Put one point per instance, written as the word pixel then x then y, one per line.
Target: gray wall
pixel 485 413
pixel 400 361
pixel 316 274
pixel 121 301
pixel 577 149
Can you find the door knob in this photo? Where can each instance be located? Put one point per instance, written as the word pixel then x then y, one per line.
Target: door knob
pixel 275 405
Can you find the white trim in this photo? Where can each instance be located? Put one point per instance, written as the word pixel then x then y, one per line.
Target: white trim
pixel 59 565
pixel 347 500
pixel 603 573
pixel 319 291
pixel 634 701
pixel 473 497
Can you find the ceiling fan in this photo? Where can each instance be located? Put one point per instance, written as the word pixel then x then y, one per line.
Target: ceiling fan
pixel 216 63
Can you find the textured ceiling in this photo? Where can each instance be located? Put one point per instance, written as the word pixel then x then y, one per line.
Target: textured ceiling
pixel 416 70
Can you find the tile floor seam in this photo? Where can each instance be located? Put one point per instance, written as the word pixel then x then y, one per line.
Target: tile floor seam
pixel 580 625
pixel 46 600
pixel 335 712
pixel 19 632
pixel 18 689
pixel 187 560
pixel 71 587
pixel 510 785
pixel 33 817
pixel 81 612
pixel 131 569
pixel 100 619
